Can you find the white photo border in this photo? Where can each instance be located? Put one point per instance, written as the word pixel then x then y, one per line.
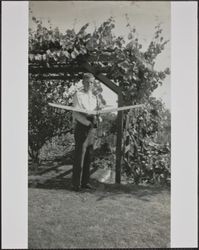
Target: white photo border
pixel 184 175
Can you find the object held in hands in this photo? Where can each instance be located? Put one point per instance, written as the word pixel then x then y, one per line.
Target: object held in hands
pixel 95 112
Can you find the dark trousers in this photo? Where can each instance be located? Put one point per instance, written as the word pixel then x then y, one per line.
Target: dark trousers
pixel 82 156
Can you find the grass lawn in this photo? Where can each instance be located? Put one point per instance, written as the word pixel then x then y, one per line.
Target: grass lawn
pixel 111 216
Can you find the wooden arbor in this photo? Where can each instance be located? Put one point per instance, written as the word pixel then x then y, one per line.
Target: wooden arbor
pixel 59 72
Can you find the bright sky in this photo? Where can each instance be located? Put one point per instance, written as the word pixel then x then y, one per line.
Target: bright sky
pixel 143 15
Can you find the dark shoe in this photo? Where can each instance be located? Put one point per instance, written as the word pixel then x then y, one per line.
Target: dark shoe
pixel 87 186
pixel 76 188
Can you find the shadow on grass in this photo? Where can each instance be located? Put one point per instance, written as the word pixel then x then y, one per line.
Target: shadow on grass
pixel 142 192
pixel 60 181
pixel 101 190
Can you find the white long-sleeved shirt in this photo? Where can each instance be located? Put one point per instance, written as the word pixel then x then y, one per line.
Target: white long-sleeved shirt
pixel 83 100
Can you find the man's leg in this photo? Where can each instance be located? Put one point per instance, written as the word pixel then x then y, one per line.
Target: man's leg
pixel 86 166
pixel 77 165
pixel 80 137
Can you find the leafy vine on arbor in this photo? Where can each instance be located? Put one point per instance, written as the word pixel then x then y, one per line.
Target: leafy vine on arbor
pixel 107 52
pixel 125 63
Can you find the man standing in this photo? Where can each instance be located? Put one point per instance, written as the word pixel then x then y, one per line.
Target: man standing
pixel 84 133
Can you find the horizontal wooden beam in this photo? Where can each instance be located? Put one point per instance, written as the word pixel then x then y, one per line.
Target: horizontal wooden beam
pixel 33 69
pixel 48 78
pixel 55 69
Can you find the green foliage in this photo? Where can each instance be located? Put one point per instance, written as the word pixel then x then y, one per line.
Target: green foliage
pixel 123 63
pixel 149 156
pixel 43 121
pixel 58 148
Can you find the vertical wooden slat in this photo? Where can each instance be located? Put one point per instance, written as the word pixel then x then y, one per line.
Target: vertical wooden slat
pixel 119 141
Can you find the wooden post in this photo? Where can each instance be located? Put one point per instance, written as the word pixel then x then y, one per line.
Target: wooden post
pixel 119 141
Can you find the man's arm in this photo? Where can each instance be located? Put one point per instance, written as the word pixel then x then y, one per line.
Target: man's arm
pixel 81 118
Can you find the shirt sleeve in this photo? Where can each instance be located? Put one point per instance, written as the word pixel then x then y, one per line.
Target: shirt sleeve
pixel 76 115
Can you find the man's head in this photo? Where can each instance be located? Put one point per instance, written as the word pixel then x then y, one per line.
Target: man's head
pixel 88 80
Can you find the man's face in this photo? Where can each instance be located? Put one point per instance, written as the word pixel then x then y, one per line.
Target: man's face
pixel 88 83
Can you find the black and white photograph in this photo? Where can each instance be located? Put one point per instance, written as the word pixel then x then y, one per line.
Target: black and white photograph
pixel 101 162
pixel 99 124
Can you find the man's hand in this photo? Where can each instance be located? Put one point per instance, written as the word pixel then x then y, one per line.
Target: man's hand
pixel 89 123
pixel 92 125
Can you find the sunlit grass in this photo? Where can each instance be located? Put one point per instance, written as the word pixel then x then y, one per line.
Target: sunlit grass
pixel 113 216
